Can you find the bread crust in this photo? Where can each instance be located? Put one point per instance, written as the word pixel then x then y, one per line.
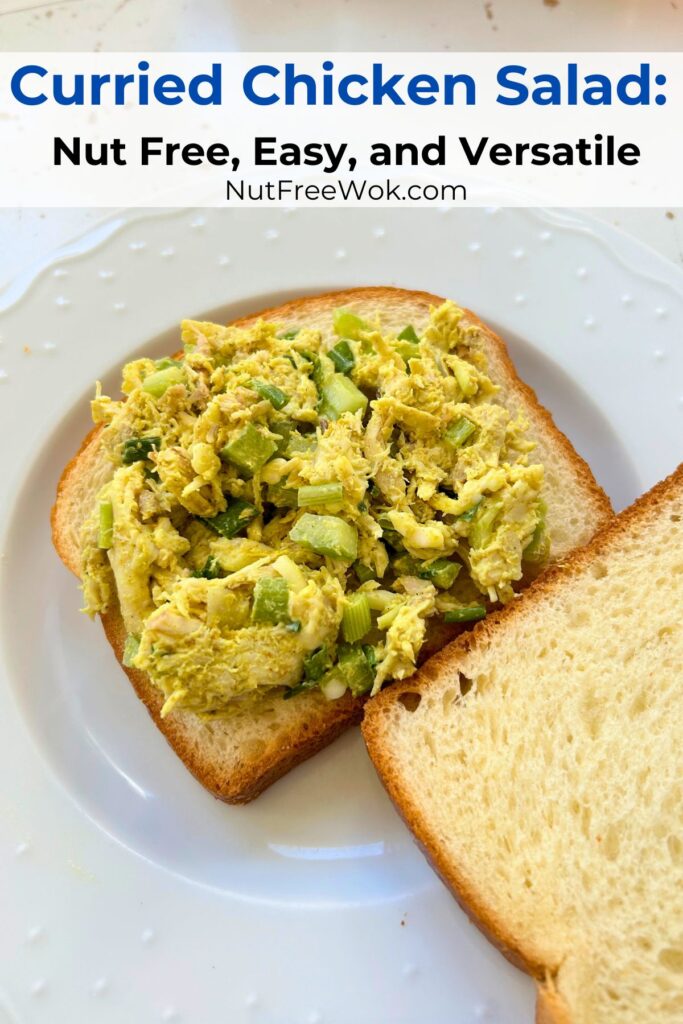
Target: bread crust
pixel 318 724
pixel 551 1008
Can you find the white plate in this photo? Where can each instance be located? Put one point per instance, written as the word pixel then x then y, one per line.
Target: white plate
pixel 128 894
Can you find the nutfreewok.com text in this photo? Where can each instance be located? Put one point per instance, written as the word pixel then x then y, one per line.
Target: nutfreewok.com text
pixel 339 191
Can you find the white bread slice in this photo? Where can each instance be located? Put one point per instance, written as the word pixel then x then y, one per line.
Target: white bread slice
pixel 539 762
pixel 237 757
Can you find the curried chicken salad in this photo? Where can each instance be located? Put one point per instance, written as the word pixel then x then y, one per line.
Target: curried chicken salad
pixel 291 509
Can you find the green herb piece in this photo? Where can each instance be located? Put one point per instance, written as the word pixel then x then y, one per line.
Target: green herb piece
pixel 236 518
pixel 409 334
pixel 137 449
pixel 342 356
pixel 468 613
pixel 278 399
pixel 210 571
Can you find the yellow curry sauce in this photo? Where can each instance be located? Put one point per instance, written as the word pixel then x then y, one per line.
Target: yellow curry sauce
pixel 290 513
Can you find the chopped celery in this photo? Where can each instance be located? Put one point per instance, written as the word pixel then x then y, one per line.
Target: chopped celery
pixel 158 382
pixel 483 524
pixel 342 356
pixel 271 600
pixel 166 361
pixel 130 649
pixel 340 395
pixel 319 494
pixel 348 324
pixel 364 572
pixel 211 570
pixel 137 449
pixel 355 670
pixel 236 518
pixel 441 572
pixel 458 432
pixel 356 621
pixel 468 613
pixel 409 334
pixel 249 450
pixel 326 535
pixel 105 534
pixel 277 398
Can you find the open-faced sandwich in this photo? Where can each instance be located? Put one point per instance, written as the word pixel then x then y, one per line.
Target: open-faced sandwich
pixel 298 507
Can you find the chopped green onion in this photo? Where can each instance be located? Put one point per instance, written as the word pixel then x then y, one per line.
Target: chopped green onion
pixel 271 600
pixel 210 571
pixel 323 370
pixel 250 450
pixel 404 565
pixel 392 537
pixel 356 620
pixel 459 432
pixel 441 572
pixel 157 383
pixel 342 356
pixel 319 494
pixel 469 613
pixel 130 649
pixel 408 350
pixel 326 535
pixel 278 399
pixel 347 324
pixel 105 535
pixel 370 653
pixel 236 518
pixel 317 663
pixel 468 516
pixel 408 334
pixel 137 449
pixel 340 395
pixel 333 686
pixel 289 335
pixel 365 573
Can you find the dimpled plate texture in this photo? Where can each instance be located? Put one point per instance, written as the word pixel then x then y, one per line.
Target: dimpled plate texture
pixel 128 893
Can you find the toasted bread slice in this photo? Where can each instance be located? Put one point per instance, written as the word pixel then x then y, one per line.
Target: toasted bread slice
pixel 237 757
pixel 539 762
